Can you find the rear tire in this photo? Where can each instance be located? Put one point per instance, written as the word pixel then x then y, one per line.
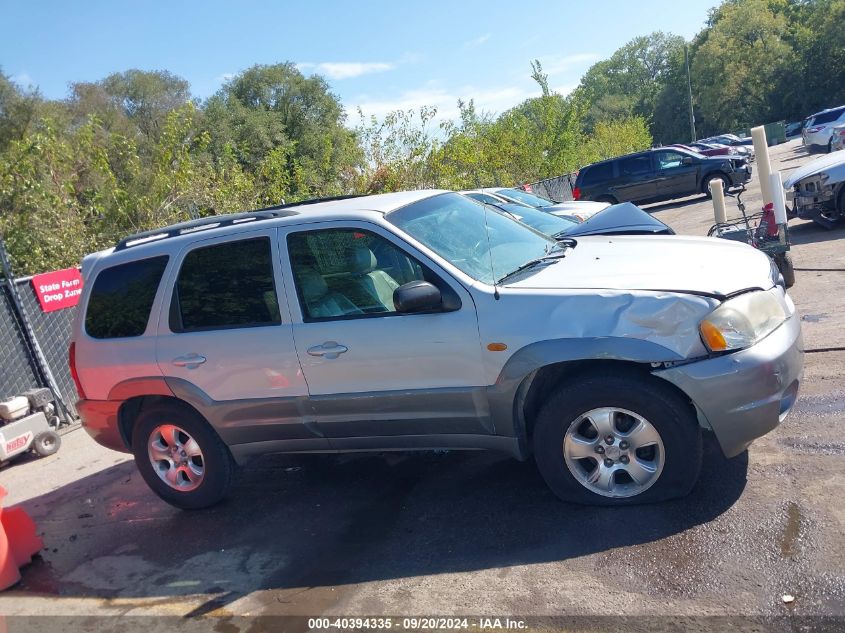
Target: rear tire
pixel 181 458
pixel 656 427
pixel 784 263
pixel 710 179
pixel 47 443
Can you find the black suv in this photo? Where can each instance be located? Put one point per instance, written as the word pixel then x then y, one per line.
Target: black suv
pixel 658 174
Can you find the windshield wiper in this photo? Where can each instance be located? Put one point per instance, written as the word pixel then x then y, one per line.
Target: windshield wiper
pixel 566 241
pixel 550 257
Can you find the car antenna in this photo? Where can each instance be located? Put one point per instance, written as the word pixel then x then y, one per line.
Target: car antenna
pixel 490 252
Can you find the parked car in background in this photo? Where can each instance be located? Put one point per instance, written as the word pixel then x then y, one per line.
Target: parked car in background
pixel 732 140
pixel 711 149
pixel 706 149
pixel 619 219
pixel 819 130
pixel 817 190
pixel 719 149
pixel 421 320
pixel 576 210
pixel 794 128
pixel 837 138
pixel 658 174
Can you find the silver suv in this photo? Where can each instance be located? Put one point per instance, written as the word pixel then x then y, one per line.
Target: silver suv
pixel 420 320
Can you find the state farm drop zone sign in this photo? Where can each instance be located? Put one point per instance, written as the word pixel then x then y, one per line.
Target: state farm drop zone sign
pixel 59 289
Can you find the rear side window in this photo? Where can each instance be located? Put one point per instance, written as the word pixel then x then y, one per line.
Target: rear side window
pixel 122 297
pixel 635 165
pixel 597 173
pixel 225 286
pixel 827 117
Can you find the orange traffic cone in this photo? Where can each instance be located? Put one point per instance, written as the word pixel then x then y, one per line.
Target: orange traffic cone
pixel 18 542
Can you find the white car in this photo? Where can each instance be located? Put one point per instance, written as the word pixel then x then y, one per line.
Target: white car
pixel 578 210
pixel 423 320
pixel 817 190
pixel 819 129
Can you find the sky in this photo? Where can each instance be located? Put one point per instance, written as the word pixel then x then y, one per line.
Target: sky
pixel 376 55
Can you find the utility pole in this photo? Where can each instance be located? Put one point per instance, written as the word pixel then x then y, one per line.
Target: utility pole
pixel 689 88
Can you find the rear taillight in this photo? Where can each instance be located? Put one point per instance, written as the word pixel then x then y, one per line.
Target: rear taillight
pixel 576 193
pixel 813 130
pixel 73 373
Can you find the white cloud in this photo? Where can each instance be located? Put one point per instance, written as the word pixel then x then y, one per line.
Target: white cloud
pixel 22 79
pixel 561 64
pixel 224 77
pixel 346 70
pixel 478 41
pixel 492 100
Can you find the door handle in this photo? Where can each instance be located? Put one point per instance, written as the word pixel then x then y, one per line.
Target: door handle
pixel 191 361
pixel 329 349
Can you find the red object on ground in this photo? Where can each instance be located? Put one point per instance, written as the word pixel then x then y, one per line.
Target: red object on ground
pixel 769 219
pixel 18 542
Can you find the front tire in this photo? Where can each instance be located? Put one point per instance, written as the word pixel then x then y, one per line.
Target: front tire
pixel 617 439
pixel 709 183
pixel 784 263
pixel 181 458
pixel 47 443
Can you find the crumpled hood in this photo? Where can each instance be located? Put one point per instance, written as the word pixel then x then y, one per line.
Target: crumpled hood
pixel 700 265
pixel 835 159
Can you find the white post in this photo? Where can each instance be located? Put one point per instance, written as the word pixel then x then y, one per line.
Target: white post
pixel 779 199
pixel 764 167
pixel 717 190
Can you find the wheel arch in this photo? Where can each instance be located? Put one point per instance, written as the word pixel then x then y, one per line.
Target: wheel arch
pixel 132 408
pixel 531 372
pixel 709 175
pixel 547 379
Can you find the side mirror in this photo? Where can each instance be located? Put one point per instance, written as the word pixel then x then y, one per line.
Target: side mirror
pixel 686 160
pixel 417 296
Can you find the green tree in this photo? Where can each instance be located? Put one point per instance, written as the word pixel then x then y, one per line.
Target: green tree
pixel 739 65
pixel 267 107
pixel 633 81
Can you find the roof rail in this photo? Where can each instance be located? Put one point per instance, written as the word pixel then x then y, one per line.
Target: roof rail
pixel 200 224
pixel 317 201
pixel 216 221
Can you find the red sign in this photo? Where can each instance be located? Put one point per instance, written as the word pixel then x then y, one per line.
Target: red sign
pixel 59 289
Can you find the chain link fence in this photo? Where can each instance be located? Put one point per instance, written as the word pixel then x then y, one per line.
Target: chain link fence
pixel 557 189
pixel 34 345
pixel 52 331
pixel 19 372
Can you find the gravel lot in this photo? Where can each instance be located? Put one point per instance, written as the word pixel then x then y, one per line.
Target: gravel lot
pixel 473 533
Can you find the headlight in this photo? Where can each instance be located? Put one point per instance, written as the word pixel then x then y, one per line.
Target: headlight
pixel 743 321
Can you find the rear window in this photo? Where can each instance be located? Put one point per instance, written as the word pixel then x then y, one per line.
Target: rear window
pixel 596 173
pixel 122 297
pixel 827 117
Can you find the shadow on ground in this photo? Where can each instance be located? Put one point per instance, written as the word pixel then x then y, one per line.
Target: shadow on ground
pixel 323 521
pixel 808 232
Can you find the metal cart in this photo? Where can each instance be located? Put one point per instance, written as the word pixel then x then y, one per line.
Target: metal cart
pixel 761 231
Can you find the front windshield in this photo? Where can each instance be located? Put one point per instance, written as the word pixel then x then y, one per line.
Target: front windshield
pixel 524 196
pixel 539 220
pixel 454 227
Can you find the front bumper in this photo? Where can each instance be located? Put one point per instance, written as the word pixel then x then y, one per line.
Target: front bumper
pixel 740 176
pixel 744 395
